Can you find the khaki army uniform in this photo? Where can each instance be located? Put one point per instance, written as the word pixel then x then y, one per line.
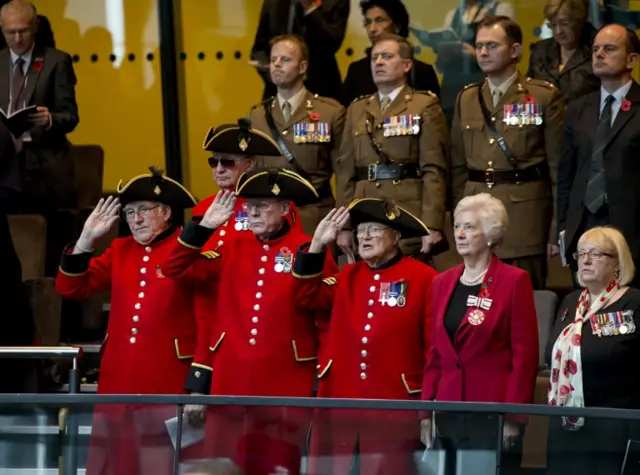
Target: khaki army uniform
pixel 527 185
pixel 412 133
pixel 317 157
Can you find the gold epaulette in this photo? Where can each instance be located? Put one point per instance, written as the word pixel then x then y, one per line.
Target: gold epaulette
pixel 330 281
pixel 210 254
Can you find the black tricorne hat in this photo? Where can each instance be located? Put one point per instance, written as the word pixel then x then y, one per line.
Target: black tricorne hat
pixel 276 183
pixel 240 139
pixel 376 210
pixel 155 187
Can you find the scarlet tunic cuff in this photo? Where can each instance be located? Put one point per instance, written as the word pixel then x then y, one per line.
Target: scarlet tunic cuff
pixel 195 236
pixel 308 264
pixel 199 379
pixel 74 264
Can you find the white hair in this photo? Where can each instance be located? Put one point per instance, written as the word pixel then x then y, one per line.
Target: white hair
pixel 490 212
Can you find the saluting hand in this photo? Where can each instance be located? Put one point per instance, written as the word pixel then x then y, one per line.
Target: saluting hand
pixel 220 211
pixel 328 229
pixel 100 221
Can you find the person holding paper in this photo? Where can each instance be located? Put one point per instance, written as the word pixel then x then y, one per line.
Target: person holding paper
pixel 457 60
pixel 234 148
pixel 507 141
pixel 322 24
pixel 590 351
pixel 269 345
pixel 307 127
pixel 382 16
pixel 152 334
pixel 32 74
pixel 484 345
pixel 379 303
pixel 395 146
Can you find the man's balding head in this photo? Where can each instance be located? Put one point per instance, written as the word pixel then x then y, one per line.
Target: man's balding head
pixel 19 22
pixel 615 52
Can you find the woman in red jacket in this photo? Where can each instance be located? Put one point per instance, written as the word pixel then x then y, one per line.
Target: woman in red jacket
pixel 377 340
pixel 484 344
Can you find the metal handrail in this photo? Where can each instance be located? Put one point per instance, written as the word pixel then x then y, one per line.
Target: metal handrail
pixel 35 352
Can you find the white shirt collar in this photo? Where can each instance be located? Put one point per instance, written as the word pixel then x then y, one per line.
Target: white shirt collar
pixel 392 95
pixel 294 100
pixel 26 56
pixel 618 95
pixel 504 86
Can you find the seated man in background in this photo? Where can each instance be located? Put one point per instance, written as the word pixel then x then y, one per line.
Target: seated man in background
pixel 152 335
pixel 382 16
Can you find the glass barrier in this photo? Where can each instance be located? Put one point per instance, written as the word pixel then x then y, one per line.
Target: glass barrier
pixel 69 434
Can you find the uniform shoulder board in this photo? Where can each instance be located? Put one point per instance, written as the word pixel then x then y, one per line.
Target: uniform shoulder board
pixel 540 82
pixel 327 100
pixel 330 281
pixel 428 93
pixel 366 96
pixel 473 84
pixel 210 254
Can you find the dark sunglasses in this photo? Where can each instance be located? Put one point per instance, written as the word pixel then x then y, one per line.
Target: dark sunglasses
pixel 225 162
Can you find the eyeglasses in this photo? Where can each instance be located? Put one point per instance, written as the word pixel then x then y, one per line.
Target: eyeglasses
pixel 225 162
pixel 143 212
pixel 374 230
pixel 593 254
pixel 259 206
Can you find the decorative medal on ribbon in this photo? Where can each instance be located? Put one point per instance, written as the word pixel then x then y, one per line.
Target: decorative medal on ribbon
pixel 159 273
pixel 613 323
pixel 481 302
pixel 393 293
pixel 401 125
pixel 311 132
pixel 242 221
pixel 284 261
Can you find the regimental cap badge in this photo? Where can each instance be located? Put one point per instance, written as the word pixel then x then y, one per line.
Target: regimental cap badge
pixel 391 211
pixel 243 144
pixel 275 189
pixel 157 190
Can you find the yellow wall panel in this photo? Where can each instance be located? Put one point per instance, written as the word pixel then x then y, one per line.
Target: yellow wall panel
pixel 119 103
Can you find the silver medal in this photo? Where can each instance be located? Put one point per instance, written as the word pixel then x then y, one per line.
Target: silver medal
pixel 238 226
pixel 392 302
pixel 278 268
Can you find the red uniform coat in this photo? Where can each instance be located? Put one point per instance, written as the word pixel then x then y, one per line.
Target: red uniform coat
pixel 268 347
pixel 150 342
pixel 205 301
pixel 375 351
pixel 495 361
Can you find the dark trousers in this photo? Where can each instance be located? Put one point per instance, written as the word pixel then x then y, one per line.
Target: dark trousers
pixel 536 266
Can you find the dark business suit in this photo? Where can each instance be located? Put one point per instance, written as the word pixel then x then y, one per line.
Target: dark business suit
pixel 576 78
pixel 359 80
pixel 323 31
pixel 18 327
pixel 47 172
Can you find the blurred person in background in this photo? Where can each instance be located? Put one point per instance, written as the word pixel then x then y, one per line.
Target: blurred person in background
pixel 484 345
pixel 321 23
pixel 213 467
pixel 565 59
pixel 152 333
pixel 590 351
pixel 385 16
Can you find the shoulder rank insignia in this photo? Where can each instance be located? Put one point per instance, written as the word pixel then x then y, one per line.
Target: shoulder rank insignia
pixel 366 96
pixel 540 82
pixel 330 281
pixel 473 84
pixel 428 93
pixel 210 254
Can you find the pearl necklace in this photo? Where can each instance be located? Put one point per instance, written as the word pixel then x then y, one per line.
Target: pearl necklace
pixel 475 280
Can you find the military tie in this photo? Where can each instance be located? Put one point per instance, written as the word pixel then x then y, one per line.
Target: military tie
pixel 384 103
pixel 286 111
pixel 596 191
pixel 17 85
pixel 497 94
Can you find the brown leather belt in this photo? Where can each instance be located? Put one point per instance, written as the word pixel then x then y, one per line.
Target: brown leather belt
pixel 492 177
pixel 391 171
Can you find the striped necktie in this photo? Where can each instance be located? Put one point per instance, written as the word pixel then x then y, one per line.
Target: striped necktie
pixel 596 193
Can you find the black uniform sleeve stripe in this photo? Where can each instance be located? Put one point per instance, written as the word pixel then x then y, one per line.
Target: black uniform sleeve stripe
pixel 308 265
pixel 74 264
pixel 195 236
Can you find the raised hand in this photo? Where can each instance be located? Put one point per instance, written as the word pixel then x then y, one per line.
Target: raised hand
pixel 328 229
pixel 101 220
pixel 220 211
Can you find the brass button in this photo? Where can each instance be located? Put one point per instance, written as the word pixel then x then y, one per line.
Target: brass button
pixel 492 141
pixel 378 185
pixel 284 132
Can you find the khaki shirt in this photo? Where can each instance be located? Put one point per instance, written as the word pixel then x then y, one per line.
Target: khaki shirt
pixel 424 197
pixel 530 205
pixel 317 159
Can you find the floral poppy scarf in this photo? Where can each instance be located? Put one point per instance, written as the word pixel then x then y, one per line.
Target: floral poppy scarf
pixel 565 388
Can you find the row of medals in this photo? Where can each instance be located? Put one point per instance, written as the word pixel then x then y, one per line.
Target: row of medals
pixel 613 323
pixel 522 114
pixel 401 125
pixel 314 132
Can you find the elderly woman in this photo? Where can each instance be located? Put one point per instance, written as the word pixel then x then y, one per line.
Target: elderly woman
pixel 565 59
pixel 378 337
pixel 592 347
pixel 484 344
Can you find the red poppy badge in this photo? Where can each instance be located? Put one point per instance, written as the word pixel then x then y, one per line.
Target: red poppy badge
pixel 528 99
pixel 314 116
pixel 38 63
pixel 626 105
